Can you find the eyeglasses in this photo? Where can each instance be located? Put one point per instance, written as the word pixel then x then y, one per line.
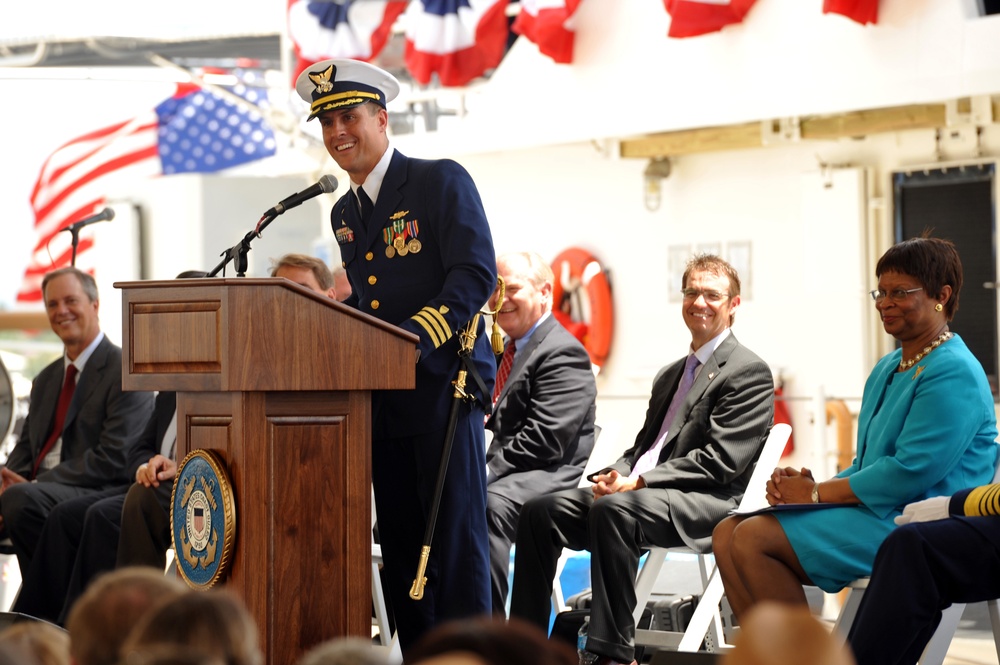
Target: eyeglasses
pixel 710 296
pixel 896 295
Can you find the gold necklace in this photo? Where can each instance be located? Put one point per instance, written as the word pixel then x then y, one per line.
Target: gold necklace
pixel 941 339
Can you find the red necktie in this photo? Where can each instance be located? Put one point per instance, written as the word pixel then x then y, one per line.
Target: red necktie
pixel 62 406
pixel 504 370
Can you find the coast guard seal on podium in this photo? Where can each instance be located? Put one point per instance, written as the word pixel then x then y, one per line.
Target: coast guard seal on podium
pixel 203 519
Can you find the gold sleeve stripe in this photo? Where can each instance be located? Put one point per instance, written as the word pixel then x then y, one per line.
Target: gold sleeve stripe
pixel 439 334
pixel 983 500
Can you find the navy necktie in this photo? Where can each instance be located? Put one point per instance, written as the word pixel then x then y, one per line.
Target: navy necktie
pixel 365 203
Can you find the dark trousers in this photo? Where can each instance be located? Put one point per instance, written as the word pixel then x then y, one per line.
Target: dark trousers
pixel 616 529
pixel 25 507
pixel 920 570
pixel 404 473
pixel 145 519
pixel 501 522
pixel 46 584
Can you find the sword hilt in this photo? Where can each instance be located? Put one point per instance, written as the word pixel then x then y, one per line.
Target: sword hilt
pixel 417 590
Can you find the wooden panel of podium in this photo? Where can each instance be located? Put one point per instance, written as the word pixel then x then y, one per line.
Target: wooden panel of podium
pixel 278 380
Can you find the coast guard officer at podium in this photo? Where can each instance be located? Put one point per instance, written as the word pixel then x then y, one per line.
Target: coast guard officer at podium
pixel 418 252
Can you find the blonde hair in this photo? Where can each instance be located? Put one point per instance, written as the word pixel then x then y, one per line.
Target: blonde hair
pixel 215 623
pixel 46 643
pixel 102 617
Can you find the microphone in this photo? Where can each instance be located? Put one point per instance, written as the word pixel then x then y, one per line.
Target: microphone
pixel 325 185
pixel 105 215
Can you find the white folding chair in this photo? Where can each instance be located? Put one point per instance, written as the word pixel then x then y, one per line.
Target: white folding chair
pixel 10 576
pixel 937 648
pixel 387 638
pixel 558 601
pixel 706 623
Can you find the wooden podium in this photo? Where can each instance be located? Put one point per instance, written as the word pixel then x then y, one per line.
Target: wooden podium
pixel 278 380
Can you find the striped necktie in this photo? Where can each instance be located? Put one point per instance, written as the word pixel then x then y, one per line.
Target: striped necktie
pixel 504 370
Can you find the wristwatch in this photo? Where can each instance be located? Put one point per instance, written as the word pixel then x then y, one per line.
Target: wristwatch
pixel 815 493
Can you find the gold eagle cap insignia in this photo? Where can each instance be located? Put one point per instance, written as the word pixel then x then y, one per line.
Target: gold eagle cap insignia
pixel 323 79
pixel 399 215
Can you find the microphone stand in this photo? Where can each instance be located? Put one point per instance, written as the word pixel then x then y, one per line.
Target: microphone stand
pixel 74 232
pixel 238 252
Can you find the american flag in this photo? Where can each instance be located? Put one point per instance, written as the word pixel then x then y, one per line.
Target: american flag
pixel 192 131
pixel 458 40
pixel 351 29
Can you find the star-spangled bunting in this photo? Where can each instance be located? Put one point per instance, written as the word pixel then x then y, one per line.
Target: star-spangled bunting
pixel 550 25
pixel 357 29
pixel 192 131
pixel 459 40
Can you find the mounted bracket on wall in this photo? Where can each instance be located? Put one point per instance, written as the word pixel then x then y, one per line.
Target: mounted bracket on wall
pixel 976 111
pixel 657 170
pixel 780 130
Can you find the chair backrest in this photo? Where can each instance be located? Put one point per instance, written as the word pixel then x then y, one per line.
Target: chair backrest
pixel 770 454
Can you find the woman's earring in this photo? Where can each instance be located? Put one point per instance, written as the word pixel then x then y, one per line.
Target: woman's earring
pixel 939 307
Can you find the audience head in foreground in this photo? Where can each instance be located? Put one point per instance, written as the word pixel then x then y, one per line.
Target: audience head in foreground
pixel 107 611
pixel 212 623
pixel 485 641
pixel 344 651
pixel 38 642
pixel 776 634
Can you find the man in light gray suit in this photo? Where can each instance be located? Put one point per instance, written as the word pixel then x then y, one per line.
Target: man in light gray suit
pixel 708 417
pixel 80 422
pixel 543 409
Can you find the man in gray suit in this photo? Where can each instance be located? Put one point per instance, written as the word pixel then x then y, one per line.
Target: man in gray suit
pixel 708 417
pixel 543 409
pixel 80 422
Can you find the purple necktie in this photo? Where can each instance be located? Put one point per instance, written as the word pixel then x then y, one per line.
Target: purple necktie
pixel 652 456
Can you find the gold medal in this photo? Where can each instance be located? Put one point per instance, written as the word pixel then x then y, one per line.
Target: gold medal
pixel 402 251
pixel 390 252
pixel 399 243
pixel 414 245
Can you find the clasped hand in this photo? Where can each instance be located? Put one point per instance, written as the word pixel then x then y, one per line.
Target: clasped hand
pixel 158 468
pixel 613 482
pixel 788 485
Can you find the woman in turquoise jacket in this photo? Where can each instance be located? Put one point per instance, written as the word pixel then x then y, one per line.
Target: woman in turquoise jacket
pixel 927 427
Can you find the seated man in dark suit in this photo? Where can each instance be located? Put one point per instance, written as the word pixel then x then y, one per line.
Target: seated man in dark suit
pixel 75 439
pixel 80 538
pixel 946 550
pixel 708 417
pixel 543 408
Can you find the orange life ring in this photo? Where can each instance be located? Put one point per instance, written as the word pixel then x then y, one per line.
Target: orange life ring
pixel 581 301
